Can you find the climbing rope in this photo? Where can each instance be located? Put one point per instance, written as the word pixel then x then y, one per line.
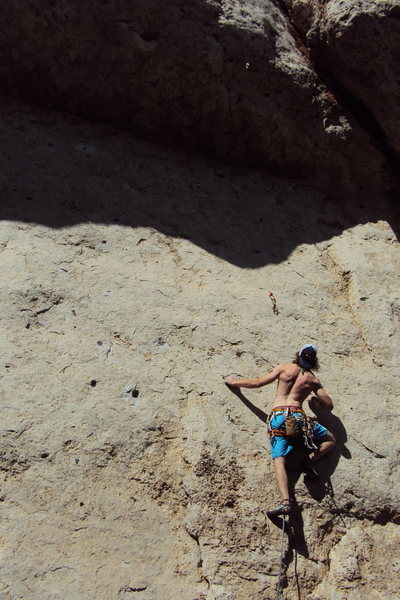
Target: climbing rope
pixel 274 305
pixel 279 586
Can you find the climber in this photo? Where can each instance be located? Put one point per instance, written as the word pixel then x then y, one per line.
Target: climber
pixel 287 422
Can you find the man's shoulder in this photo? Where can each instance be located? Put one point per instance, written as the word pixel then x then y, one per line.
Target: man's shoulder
pixel 290 368
pixel 315 379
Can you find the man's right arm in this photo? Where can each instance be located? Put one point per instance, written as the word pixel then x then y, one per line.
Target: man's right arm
pixel 324 400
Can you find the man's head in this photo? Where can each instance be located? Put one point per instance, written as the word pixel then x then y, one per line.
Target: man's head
pixel 306 357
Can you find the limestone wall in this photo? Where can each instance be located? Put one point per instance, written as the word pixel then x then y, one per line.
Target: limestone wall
pixel 132 280
pixel 209 153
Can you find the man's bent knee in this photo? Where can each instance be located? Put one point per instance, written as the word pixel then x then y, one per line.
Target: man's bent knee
pixel 330 438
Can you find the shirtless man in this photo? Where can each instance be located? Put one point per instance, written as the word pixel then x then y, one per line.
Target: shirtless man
pixel 295 382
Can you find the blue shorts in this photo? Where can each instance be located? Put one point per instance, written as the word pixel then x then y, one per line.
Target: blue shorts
pixel 281 446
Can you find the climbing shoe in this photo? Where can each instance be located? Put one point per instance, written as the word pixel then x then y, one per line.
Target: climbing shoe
pixel 282 509
pixel 310 471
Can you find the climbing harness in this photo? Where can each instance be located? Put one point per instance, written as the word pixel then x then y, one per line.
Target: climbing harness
pixel 293 427
pixel 274 305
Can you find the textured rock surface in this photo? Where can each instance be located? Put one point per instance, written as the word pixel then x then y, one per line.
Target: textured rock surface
pixel 228 79
pixel 352 559
pixel 357 45
pixel 131 280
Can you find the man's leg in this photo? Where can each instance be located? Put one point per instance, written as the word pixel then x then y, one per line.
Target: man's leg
pixel 280 447
pixel 285 506
pixel 282 478
pixel 328 443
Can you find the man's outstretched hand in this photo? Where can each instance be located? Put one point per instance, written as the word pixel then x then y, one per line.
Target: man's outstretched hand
pixel 235 389
pixel 228 381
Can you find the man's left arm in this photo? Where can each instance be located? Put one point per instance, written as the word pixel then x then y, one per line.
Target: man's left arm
pixel 321 398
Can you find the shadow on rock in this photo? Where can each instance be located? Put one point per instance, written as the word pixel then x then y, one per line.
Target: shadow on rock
pixel 60 172
pixel 335 425
pixel 293 526
pixel 327 465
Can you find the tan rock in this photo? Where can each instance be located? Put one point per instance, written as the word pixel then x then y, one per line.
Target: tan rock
pixel 355 45
pixel 358 565
pixel 132 278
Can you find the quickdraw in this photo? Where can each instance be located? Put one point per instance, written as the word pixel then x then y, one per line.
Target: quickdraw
pixel 274 305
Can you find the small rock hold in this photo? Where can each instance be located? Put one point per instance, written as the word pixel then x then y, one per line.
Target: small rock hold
pixel 131 392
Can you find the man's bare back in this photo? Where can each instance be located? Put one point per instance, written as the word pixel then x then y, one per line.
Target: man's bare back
pixel 294 385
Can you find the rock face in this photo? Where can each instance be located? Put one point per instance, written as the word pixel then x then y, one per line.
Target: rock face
pixel 228 79
pixel 131 280
pixel 133 277
pixel 356 45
